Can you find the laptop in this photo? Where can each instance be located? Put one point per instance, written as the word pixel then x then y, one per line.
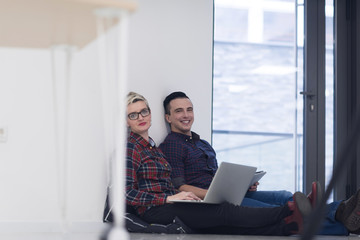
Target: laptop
pixel 230 184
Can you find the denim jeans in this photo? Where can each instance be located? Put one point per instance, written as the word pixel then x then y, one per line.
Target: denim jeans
pixel 278 198
pixel 330 226
pixel 266 198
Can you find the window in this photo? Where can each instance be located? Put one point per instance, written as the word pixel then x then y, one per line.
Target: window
pixel 255 119
pixel 258 74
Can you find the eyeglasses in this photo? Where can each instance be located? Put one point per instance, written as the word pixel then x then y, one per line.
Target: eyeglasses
pixel 135 115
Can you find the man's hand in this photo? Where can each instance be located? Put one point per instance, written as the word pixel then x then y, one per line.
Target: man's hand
pixel 182 196
pixel 253 188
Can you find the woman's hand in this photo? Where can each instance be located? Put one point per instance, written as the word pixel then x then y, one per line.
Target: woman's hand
pixel 182 196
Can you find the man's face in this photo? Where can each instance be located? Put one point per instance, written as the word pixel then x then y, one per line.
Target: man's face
pixel 181 115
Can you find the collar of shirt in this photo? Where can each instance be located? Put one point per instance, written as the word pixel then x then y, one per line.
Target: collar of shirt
pixel 136 138
pixel 194 136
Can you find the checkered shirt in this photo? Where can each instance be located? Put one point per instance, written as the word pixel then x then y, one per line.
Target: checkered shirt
pixel 192 159
pixel 148 180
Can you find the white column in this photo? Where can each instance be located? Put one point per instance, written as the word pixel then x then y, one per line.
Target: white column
pixel 61 58
pixel 114 90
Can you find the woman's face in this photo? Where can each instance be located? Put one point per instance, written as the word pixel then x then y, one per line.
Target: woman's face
pixel 142 124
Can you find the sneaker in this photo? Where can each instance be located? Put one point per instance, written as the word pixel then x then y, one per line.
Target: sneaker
pixel 179 226
pixel 301 208
pixel 316 194
pixel 348 213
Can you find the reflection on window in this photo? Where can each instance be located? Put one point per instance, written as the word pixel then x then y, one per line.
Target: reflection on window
pixel 256 74
pixel 329 91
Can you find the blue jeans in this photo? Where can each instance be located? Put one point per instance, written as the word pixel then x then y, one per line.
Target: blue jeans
pixel 278 198
pixel 266 198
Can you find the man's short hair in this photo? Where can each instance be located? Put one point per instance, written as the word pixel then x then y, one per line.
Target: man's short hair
pixel 170 97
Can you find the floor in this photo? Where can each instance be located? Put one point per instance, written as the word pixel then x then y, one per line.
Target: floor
pixel 231 237
pixel 227 237
pixel 100 233
pixel 137 236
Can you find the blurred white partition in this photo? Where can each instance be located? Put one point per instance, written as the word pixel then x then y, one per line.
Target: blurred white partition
pixel 65 27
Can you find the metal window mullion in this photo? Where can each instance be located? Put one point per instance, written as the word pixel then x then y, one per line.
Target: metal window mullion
pixel 347 88
pixel 357 66
pixel 314 106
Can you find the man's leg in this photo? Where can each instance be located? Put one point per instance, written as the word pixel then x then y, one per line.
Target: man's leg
pixel 281 229
pixel 330 226
pixel 272 198
pixel 249 202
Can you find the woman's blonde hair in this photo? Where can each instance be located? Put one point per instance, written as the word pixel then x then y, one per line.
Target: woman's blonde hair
pixel 134 97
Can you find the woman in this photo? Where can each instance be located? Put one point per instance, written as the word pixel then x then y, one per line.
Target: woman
pixel 149 190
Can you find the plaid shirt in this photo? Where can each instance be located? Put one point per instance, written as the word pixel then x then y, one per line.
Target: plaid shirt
pixel 148 180
pixel 192 159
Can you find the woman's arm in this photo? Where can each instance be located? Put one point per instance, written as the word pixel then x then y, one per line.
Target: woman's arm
pixel 182 196
pixel 200 192
pixel 147 169
pixel 134 196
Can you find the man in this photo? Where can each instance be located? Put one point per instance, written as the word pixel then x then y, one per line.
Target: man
pixel 194 164
pixel 194 160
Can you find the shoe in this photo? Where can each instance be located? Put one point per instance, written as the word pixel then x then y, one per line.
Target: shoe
pixel 179 226
pixel 356 232
pixel 348 213
pixel 316 194
pixel 301 208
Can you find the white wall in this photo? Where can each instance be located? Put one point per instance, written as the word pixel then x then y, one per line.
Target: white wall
pixel 27 164
pixel 170 49
pixel 171 52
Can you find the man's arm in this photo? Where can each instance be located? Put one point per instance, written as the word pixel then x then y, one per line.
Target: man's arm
pixel 200 192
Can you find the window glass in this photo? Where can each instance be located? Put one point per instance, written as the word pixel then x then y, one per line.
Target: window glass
pixel 329 91
pixel 258 74
pixel 257 67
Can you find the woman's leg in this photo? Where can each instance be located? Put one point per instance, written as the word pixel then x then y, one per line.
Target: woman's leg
pixel 199 216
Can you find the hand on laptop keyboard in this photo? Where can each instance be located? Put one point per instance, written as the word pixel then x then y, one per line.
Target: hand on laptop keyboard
pixel 183 196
